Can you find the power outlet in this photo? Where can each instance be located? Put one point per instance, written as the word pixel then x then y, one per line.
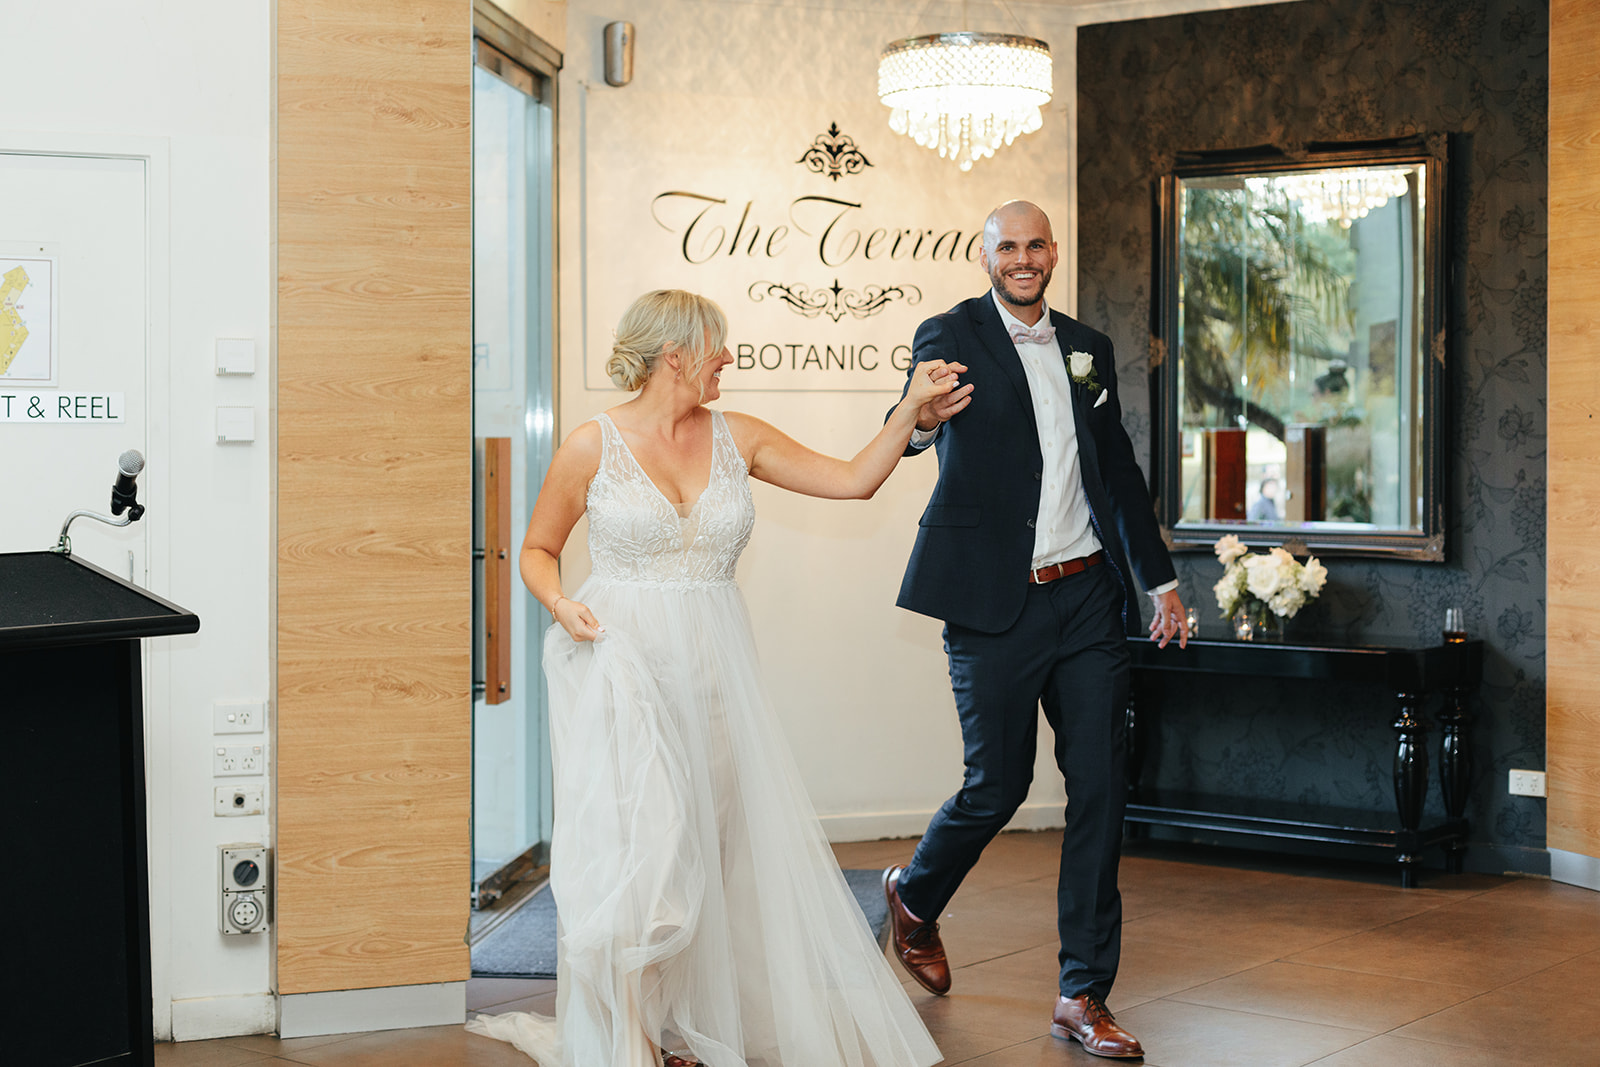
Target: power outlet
pixel 1527 784
pixel 239 800
pixel 246 876
pixel 238 718
pixel 236 761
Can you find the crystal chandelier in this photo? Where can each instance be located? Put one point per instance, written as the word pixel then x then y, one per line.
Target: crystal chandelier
pixel 1343 196
pixel 965 94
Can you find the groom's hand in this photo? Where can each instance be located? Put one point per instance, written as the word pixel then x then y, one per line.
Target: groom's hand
pixel 941 408
pixel 1170 620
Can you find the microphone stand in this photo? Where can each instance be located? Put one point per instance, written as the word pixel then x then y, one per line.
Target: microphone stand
pixel 64 544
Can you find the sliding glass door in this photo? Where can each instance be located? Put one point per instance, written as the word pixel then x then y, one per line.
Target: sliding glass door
pixel 513 292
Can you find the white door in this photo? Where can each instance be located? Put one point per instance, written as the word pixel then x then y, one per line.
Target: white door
pixel 76 226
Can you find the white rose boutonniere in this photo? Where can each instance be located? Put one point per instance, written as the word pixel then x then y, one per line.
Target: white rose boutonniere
pixel 1081 366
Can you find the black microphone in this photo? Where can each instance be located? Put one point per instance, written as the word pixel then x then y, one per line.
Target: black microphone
pixel 123 493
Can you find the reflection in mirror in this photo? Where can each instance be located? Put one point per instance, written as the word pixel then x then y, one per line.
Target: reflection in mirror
pixel 1300 311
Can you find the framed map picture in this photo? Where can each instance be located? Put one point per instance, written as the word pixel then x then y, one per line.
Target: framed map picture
pixel 27 316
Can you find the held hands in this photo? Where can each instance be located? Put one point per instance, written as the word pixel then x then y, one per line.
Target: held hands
pixel 577 620
pixel 937 390
pixel 1170 620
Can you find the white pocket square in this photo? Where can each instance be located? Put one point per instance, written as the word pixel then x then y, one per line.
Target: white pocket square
pixel 1101 399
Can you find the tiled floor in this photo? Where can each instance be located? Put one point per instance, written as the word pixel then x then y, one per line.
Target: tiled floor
pixel 1246 963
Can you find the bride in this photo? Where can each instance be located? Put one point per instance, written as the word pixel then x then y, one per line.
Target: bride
pixel 700 907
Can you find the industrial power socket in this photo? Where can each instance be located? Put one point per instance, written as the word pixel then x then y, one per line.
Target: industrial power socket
pixel 245 875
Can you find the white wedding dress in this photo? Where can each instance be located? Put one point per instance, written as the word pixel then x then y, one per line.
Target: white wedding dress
pixel 700 906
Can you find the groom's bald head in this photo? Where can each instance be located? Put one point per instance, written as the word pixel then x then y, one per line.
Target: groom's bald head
pixel 1019 211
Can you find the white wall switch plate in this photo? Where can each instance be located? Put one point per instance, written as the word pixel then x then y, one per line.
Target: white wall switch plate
pixel 234 761
pixel 240 800
pixel 1527 784
pixel 248 718
pixel 236 355
pixel 236 424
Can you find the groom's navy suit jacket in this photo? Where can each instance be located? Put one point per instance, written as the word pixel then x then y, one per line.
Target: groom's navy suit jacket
pixel 975 540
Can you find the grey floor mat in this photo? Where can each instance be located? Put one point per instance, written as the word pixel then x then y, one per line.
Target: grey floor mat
pixel 524 946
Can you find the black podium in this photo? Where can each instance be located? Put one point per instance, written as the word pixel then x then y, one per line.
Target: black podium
pixel 72 813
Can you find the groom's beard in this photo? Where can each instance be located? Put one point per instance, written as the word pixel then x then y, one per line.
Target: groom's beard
pixel 998 280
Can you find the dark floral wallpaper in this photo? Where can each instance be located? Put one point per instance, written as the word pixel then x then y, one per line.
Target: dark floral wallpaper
pixel 1350 70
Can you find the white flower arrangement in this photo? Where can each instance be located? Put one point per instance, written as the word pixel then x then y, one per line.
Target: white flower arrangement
pixel 1273 582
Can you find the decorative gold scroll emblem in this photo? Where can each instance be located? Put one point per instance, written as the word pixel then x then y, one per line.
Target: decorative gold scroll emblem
pixel 835 301
pixel 833 154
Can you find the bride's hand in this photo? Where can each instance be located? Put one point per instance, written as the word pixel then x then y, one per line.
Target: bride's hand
pixel 934 379
pixel 577 620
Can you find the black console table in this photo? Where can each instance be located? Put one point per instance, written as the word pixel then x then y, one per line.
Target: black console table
pixel 72 788
pixel 1408 669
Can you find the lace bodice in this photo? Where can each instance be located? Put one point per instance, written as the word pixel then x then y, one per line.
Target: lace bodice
pixel 637 535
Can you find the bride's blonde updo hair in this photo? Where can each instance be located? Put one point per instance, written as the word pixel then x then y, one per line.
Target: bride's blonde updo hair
pixel 660 321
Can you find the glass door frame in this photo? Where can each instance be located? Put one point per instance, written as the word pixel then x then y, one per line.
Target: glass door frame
pixel 507 50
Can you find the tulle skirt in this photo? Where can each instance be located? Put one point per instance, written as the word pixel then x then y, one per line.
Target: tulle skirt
pixel 700 906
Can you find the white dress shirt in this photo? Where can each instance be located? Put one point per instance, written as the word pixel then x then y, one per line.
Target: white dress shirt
pixel 1063 529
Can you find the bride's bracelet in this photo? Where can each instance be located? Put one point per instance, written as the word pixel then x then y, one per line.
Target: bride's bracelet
pixel 554 604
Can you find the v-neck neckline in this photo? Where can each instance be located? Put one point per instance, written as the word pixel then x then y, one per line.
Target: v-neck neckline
pixel 711 470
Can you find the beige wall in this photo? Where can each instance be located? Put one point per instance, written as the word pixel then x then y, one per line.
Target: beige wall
pixel 861 687
pixel 546 18
pixel 1573 712
pixel 374 435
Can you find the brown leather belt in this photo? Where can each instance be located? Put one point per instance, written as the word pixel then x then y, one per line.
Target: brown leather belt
pixel 1065 567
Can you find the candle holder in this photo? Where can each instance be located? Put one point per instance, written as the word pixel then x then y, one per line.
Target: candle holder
pixel 1243 628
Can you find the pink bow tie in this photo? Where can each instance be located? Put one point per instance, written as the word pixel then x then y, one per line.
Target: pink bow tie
pixel 1042 334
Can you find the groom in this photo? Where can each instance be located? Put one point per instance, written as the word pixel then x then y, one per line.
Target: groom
pixel 1024 551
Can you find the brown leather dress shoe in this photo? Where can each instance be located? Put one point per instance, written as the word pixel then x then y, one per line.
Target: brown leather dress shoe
pixel 915 942
pixel 1086 1020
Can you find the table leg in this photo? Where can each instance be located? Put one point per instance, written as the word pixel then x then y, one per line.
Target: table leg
pixel 1410 774
pixel 1455 766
